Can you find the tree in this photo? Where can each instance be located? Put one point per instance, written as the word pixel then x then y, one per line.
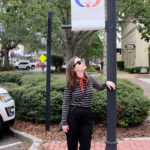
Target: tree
pixel 74 42
pixel 10 39
pixel 21 23
pixel 136 11
pixel 57 61
pixel 33 15
pixel 94 48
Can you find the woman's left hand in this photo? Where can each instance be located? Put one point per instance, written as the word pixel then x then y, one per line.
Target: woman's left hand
pixel 110 85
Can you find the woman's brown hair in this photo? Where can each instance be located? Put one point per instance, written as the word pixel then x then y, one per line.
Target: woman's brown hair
pixel 71 75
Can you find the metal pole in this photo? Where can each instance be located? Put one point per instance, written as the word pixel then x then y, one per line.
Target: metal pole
pixel 66 26
pixel 111 143
pixel 48 74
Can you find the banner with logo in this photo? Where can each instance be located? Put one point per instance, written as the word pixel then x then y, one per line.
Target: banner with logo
pixel 87 15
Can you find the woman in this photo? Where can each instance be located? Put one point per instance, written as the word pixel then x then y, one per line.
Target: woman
pixel 77 117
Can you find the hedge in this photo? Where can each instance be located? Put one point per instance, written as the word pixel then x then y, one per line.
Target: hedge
pixel 136 69
pixel 29 96
pixel 91 69
pixel 57 61
pixel 120 65
pixel 14 77
pixel 6 68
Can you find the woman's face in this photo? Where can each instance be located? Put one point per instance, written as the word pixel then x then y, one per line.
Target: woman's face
pixel 79 65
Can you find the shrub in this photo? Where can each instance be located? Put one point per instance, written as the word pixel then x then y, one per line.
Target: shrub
pixel 132 105
pixel 96 67
pixel 57 61
pixel 30 103
pixel 99 106
pixel 32 80
pixel 120 65
pixel 91 69
pixel 6 68
pixel 56 83
pixel 136 69
pixel 9 85
pixel 14 77
pixel 136 105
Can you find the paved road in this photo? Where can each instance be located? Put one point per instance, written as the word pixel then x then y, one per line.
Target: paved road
pixel 39 69
pixel 9 142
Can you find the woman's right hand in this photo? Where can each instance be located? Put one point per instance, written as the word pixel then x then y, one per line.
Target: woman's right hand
pixel 65 128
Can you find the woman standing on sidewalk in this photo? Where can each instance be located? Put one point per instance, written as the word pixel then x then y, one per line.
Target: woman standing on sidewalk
pixel 77 117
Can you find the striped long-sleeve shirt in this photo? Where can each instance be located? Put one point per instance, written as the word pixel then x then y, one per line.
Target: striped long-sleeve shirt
pixel 76 97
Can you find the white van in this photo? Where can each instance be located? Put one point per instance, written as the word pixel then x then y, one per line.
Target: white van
pixel 7 109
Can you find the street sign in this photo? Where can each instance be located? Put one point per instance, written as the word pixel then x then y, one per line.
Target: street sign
pixel 42 58
pixel 43 41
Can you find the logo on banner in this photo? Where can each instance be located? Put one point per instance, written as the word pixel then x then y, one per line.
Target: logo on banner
pixel 87 3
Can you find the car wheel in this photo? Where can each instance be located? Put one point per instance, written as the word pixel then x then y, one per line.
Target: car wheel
pixel 1 123
pixel 33 67
pixel 27 68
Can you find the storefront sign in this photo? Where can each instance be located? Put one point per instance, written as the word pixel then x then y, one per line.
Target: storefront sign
pixel 130 47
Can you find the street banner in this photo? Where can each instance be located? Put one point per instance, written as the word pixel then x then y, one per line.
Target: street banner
pixel 87 15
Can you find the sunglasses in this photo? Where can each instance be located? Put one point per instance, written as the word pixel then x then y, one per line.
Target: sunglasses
pixel 78 62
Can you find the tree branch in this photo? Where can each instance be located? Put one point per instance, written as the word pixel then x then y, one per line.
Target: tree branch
pixel 79 36
pixel 84 42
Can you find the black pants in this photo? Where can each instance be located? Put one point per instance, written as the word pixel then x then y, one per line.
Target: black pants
pixel 80 121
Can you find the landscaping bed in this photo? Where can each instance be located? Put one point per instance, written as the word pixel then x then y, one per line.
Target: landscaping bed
pixel 99 131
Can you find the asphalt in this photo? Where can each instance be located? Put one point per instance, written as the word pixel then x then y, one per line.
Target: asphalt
pixel 126 144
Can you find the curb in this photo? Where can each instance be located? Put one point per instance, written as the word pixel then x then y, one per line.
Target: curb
pixel 29 138
pixel 137 139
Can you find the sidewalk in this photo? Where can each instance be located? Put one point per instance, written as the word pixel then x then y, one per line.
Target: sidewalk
pixel 122 145
pixel 130 144
pixel 135 78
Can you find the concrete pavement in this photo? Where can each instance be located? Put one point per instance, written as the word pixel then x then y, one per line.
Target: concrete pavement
pixel 143 80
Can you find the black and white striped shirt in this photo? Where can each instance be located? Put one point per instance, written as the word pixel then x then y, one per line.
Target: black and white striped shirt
pixel 77 97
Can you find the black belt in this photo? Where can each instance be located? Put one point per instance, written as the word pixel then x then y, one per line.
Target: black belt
pixel 79 105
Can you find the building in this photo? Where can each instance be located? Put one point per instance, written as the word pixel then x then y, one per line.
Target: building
pixel 135 51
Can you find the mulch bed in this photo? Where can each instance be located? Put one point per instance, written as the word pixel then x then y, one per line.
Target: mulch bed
pixel 99 131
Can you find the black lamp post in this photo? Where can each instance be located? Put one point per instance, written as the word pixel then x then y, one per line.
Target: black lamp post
pixel 48 73
pixel 1 29
pixel 111 143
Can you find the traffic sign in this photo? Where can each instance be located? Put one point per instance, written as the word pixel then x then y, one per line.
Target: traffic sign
pixel 42 58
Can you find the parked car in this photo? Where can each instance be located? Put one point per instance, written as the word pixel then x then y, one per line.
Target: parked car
pixel 22 65
pixel 7 109
pixel 33 65
pixel 39 64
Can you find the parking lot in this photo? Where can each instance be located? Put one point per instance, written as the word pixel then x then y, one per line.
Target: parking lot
pixel 8 141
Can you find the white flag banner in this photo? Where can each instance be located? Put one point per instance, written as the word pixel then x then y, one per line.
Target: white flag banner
pixel 87 15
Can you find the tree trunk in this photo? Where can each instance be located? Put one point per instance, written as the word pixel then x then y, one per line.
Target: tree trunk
pixel 69 54
pixel 6 62
pixel 87 61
